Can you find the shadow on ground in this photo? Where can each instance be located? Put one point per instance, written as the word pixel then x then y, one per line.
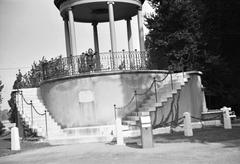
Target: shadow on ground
pixel 26 144
pixel 205 135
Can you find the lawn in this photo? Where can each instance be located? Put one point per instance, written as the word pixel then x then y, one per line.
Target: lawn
pixel 204 135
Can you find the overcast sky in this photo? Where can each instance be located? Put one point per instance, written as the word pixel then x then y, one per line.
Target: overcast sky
pixel 31 29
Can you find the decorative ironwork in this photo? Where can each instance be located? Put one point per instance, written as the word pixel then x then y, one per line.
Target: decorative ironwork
pixel 102 62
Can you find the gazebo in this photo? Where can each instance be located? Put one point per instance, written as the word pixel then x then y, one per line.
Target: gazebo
pixel 81 103
pixel 95 12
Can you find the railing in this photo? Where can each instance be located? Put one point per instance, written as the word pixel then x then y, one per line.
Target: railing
pixel 136 94
pixel 23 100
pixel 153 89
pixel 102 62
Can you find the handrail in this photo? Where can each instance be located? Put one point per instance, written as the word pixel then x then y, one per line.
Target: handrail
pixel 154 83
pixel 41 114
pixel 33 107
pixel 99 62
pixel 131 100
pixel 142 94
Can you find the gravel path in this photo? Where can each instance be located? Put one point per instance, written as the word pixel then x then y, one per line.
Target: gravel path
pixel 185 152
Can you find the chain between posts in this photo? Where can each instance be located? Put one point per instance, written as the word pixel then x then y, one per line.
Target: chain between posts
pixel 155 89
pixel 33 108
pixel 135 95
pixel 181 121
pixel 170 122
pixel 154 83
pixel 208 119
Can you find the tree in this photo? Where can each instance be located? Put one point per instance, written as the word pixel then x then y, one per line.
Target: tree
pixel 1 87
pixel 221 31
pixel 174 35
pixel 1 125
pixel 202 35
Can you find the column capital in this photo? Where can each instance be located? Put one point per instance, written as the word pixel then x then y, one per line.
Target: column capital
pixel 110 2
pixel 65 17
pixel 68 9
pixel 94 23
pixel 128 19
pixel 140 8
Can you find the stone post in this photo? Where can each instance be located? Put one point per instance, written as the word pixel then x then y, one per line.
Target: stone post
pixel 187 125
pixel 15 143
pixel 118 126
pixel 120 140
pixel 146 131
pixel 226 118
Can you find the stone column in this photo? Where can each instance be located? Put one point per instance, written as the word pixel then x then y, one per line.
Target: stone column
pixel 95 36
pixel 67 38
pixel 112 30
pixel 129 35
pixel 72 36
pixel 140 30
pixel 96 45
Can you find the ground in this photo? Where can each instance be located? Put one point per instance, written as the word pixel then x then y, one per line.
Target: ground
pixel 208 145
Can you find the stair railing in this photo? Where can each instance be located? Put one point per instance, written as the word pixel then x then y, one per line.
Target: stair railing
pixel 33 108
pixel 159 81
pixel 125 106
pixel 136 94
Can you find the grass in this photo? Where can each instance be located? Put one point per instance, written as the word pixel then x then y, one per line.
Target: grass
pixel 26 145
pixel 205 135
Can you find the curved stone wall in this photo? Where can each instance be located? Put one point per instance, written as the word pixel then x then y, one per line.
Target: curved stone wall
pixel 88 100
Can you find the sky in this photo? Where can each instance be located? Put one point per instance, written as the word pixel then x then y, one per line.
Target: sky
pixel 31 29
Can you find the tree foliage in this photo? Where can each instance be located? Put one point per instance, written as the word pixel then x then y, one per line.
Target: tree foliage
pixel 1 87
pixel 174 35
pixel 201 35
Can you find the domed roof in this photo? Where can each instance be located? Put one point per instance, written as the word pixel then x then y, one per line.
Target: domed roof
pixel 59 2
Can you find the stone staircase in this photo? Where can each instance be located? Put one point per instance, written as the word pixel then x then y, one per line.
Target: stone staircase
pixel 165 92
pixel 35 116
pixel 55 135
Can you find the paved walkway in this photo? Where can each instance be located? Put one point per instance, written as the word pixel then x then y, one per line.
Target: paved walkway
pixel 94 153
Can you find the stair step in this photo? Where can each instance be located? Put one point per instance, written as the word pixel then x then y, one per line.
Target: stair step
pixel 129 122
pixel 82 139
pixel 140 113
pixel 132 118
pixel 155 104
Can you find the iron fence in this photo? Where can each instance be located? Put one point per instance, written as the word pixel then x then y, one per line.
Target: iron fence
pixel 102 62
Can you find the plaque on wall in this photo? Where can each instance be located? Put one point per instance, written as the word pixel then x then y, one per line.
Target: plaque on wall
pixel 85 96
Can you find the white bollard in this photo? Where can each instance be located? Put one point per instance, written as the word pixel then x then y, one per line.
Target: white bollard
pixel 226 118
pixel 120 140
pixel 187 124
pixel 15 143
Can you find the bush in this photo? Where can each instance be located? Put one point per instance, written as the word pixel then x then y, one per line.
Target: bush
pixel 1 128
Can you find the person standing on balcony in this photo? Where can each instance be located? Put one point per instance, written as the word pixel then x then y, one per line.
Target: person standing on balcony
pixel 90 56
